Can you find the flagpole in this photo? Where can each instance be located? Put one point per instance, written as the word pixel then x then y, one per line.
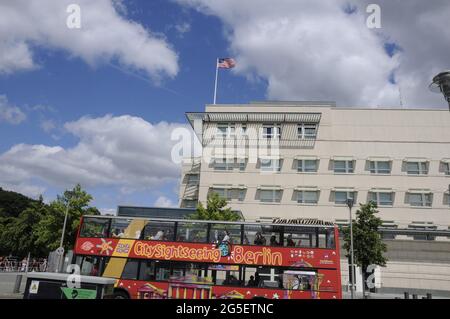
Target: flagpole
pixel 215 84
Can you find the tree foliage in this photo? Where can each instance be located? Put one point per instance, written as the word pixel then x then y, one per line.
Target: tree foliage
pixel 215 210
pixel 12 203
pixel 37 229
pixel 50 227
pixel 367 244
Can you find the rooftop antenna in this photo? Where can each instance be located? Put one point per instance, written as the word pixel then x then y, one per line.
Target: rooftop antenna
pixel 441 84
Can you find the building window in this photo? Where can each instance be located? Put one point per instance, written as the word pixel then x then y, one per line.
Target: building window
pixel 344 167
pixel 307 197
pixel 224 164
pixel 307 166
pixel 270 196
pixel 340 197
pixel 270 165
pixel 307 131
pixel 446 168
pixel 189 203
pixel 193 179
pixel 382 198
pixel 271 131
pixel 420 200
pixel 244 129
pixel 417 168
pixel 225 130
pixel 230 193
pixel 380 167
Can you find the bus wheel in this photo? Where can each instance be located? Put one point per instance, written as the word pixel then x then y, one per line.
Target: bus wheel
pixel 121 295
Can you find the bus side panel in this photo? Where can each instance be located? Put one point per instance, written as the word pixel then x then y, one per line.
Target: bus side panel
pixel 329 280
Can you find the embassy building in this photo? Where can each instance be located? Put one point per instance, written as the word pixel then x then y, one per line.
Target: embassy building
pixel 305 159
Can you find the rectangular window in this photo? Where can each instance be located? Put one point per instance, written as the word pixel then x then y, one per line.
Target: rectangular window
pixel 382 199
pixel 447 168
pixel 270 165
pixel 225 130
pixel 306 131
pixel 162 270
pixel 189 203
pixel 92 265
pixel 147 270
pixel 307 197
pixel 95 227
pixel 230 193
pixel 417 168
pixel 307 166
pixel 421 200
pixel 243 129
pixel 193 179
pixel 223 193
pixel 340 197
pixel 157 230
pixel 191 232
pixel 271 131
pixel 270 196
pixel 130 271
pixel 380 167
pixel 345 167
pixel 224 164
pixel 228 232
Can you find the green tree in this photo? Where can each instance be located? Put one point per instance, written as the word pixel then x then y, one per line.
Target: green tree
pixel 367 243
pixel 215 210
pixel 49 229
pixel 19 236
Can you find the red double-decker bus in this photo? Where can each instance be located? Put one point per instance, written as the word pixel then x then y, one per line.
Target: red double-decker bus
pixel 190 259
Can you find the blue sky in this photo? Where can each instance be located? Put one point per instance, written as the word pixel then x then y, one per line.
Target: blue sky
pixel 62 84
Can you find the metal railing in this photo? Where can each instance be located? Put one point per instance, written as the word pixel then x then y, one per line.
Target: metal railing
pixel 22 266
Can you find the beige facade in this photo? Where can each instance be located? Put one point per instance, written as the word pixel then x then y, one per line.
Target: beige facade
pixel 254 153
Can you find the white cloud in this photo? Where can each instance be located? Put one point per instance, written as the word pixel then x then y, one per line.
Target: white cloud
pixel 163 201
pixel 124 151
pixel 47 125
pixel 10 113
pixel 106 36
pixel 182 28
pixel 313 50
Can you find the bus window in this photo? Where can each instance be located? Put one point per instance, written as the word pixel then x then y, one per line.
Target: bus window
pixel 147 270
pixel 228 232
pixel 251 277
pixel 191 232
pixel 127 228
pixel 301 236
pixel 269 277
pixel 130 270
pixel 260 235
pixel 188 270
pixel 162 270
pixel 156 230
pixel 94 227
pixel 330 238
pixel 118 227
pixel 91 265
pixel 299 280
pixel 226 275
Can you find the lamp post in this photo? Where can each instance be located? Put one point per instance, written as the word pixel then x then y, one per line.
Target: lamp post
pixel 441 84
pixel 352 287
pixel 60 250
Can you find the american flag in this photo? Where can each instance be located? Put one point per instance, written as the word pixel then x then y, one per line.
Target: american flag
pixel 226 63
